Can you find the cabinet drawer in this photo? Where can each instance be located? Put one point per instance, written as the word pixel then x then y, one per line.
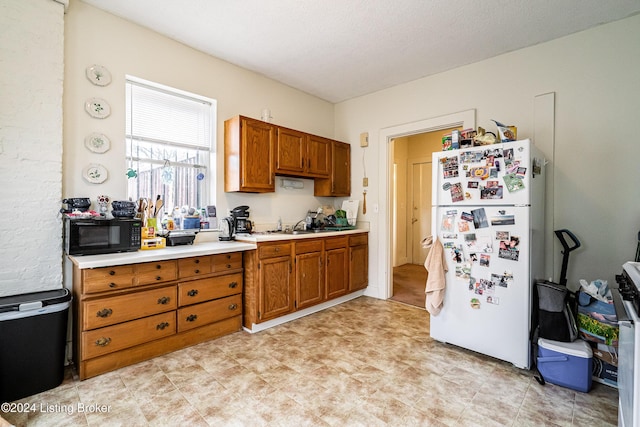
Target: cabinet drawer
pixel 336 242
pixel 195 266
pixel 270 251
pixel 156 272
pixel 107 278
pixel 307 246
pixel 209 312
pixel 121 308
pixel 357 240
pixel 224 262
pixel 118 337
pixel 211 288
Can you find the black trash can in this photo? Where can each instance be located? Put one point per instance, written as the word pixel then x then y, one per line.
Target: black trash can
pixel 33 334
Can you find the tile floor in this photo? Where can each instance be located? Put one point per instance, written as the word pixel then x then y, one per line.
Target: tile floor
pixel 366 362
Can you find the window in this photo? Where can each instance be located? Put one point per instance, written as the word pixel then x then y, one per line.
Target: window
pixel 170 145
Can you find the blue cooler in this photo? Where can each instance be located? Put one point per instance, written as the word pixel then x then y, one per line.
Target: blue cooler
pixel 568 364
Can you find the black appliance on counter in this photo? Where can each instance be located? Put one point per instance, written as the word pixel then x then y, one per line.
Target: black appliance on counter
pixel 180 237
pixel 99 235
pixel 241 223
pixel 81 204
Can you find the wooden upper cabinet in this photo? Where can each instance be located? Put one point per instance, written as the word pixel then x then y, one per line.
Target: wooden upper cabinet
pixel 318 156
pixel 302 154
pixel 290 151
pixel 256 151
pixel 339 181
pixel 249 146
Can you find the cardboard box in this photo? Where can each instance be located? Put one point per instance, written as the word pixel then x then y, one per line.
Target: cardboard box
pixel 605 364
pixel 597 322
pixel 155 243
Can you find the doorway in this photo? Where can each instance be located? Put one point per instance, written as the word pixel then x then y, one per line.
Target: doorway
pixel 392 210
pixel 412 200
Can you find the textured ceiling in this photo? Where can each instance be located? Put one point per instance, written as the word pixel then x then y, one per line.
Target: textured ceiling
pixel 341 49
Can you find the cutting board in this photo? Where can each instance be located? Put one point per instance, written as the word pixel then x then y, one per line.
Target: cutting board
pixel 351 208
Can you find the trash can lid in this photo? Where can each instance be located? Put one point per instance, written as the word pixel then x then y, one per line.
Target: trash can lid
pixel 13 302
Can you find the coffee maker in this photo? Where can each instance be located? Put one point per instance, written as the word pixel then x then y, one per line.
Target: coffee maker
pixel 241 221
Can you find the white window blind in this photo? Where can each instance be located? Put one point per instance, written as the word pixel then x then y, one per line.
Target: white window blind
pixel 156 115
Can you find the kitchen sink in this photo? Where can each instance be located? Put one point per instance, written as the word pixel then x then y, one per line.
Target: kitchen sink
pixel 314 231
pixel 296 232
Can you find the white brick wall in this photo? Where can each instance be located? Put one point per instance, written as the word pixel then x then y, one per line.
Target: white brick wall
pixel 31 82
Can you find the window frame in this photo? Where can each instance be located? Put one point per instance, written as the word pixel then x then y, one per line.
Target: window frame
pixel 208 184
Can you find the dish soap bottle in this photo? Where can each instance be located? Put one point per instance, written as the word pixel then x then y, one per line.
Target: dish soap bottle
pixel 279 226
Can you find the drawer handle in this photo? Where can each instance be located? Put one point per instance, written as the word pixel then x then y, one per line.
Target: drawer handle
pixel 228 256
pixel 112 285
pixel 162 325
pixel 105 312
pixel 192 292
pixel 192 317
pixel 158 278
pixel 112 273
pixel 164 300
pixel 197 271
pixel 103 342
pixel 197 261
pixel 158 266
pixel 228 265
pixel 233 306
pixel 233 284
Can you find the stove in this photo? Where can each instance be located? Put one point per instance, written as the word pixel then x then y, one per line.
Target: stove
pixel 628 311
pixel 629 284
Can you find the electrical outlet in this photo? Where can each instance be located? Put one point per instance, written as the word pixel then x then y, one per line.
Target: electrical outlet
pixel 365 182
pixel 364 139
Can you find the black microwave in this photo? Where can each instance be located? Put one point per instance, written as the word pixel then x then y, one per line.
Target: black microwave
pixel 91 236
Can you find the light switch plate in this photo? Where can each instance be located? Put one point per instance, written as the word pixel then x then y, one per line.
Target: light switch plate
pixel 364 139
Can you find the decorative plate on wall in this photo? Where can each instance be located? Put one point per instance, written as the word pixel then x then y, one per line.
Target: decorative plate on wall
pixel 95 173
pixel 97 143
pixel 98 75
pixel 97 108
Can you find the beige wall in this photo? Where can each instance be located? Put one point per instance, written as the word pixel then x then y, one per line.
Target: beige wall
pixel 96 37
pixel 595 77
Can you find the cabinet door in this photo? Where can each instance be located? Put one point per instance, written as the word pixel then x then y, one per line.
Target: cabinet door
pixel 256 155
pixel 318 156
pixel 290 151
pixel 336 273
pixel 309 279
pixel 341 171
pixel 276 287
pixel 339 182
pixel 358 267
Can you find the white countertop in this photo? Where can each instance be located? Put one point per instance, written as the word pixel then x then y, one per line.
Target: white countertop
pixel 243 242
pixel 170 252
pixel 268 237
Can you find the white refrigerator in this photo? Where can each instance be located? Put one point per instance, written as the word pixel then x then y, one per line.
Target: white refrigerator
pixel 488 213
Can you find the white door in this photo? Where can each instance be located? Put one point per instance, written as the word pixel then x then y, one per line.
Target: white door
pixel 420 213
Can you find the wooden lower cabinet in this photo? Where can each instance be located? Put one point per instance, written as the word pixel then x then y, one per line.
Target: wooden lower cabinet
pixel 337 283
pixel 309 262
pixel 275 282
pixel 358 262
pixel 286 276
pixel 127 314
